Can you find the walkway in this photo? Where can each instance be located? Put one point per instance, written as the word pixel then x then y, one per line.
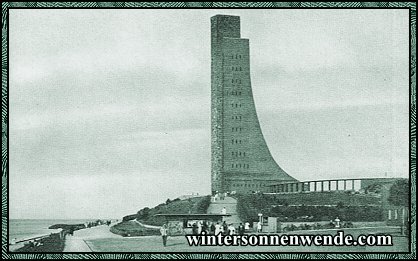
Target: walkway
pixel 231 208
pixel 145 225
pixel 77 243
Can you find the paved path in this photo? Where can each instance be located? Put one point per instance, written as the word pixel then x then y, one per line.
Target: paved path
pixel 145 225
pixel 100 239
pixel 179 244
pixel 231 208
pixel 77 243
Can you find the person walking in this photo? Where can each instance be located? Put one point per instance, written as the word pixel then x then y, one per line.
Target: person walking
pixel 240 229
pixel 259 227
pixel 212 229
pixel 247 226
pixel 231 230
pixel 164 234
pixel 224 229
pixel 217 229
pixel 194 229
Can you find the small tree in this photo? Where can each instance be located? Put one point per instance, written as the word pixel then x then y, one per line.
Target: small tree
pixel 399 196
pixel 399 193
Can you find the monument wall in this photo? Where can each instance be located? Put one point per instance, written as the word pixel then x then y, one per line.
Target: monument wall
pixel 241 160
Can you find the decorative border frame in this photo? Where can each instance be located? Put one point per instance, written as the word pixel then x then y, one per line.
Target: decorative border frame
pixel 209 5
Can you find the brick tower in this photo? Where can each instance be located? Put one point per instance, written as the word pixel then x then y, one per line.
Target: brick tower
pixel 241 160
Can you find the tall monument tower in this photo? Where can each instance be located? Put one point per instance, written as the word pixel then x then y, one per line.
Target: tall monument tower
pixel 241 160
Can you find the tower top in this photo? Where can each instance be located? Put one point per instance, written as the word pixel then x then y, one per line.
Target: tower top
pixel 221 15
pixel 225 26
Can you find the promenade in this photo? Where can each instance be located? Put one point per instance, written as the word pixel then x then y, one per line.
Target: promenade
pixel 79 241
pixel 100 239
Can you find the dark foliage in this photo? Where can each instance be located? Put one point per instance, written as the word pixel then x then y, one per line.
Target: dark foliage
pixel 399 193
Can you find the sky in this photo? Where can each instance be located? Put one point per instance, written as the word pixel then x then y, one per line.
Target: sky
pixel 110 109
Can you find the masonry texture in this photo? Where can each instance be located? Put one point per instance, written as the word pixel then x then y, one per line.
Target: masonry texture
pixel 241 160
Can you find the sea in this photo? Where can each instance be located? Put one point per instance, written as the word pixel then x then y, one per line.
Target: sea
pixel 21 229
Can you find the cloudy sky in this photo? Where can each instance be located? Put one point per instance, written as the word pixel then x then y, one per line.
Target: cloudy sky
pixel 110 109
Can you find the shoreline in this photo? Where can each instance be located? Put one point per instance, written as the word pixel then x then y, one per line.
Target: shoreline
pixel 55 241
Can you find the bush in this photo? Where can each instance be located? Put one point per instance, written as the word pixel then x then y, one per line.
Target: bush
pixel 129 217
pixel 130 229
pixel 250 205
pixel 197 205
pixel 202 205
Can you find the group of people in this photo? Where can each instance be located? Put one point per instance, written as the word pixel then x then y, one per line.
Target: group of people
pixel 97 223
pixel 211 228
pixel 219 196
pixel 214 228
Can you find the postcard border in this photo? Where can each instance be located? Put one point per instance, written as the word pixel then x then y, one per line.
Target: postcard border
pixel 6 6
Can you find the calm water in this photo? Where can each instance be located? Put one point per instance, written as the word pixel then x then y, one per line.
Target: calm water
pixel 28 228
